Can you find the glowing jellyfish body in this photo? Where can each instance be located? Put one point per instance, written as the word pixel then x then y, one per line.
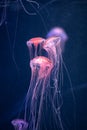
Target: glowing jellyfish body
pixel 58 32
pixel 43 64
pixel 52 46
pixel 19 124
pixel 33 46
pixel 41 68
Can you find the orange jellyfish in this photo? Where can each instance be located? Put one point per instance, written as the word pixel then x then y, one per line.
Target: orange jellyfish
pixel 34 46
pixel 40 80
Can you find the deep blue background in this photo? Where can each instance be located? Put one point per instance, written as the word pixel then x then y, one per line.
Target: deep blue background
pixel 15 74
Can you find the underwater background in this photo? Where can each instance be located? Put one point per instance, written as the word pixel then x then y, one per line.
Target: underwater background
pixel 16 27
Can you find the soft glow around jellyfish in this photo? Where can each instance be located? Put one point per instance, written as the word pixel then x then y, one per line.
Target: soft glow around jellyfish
pixel 20 124
pixel 33 46
pixel 40 80
pixel 58 32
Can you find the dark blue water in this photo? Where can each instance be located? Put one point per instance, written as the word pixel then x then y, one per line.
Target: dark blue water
pixel 17 27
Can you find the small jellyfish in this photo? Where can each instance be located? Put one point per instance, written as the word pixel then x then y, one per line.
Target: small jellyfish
pixel 19 124
pixel 58 32
pixel 34 46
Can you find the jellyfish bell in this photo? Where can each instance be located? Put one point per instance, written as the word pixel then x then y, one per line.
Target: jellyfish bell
pixel 35 41
pixel 52 43
pixel 19 124
pixel 42 64
pixel 53 48
pixel 58 32
pixel 33 44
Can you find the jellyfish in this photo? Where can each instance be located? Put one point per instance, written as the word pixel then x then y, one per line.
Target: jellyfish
pixel 58 32
pixel 40 81
pixel 34 46
pixel 19 124
pixel 53 47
